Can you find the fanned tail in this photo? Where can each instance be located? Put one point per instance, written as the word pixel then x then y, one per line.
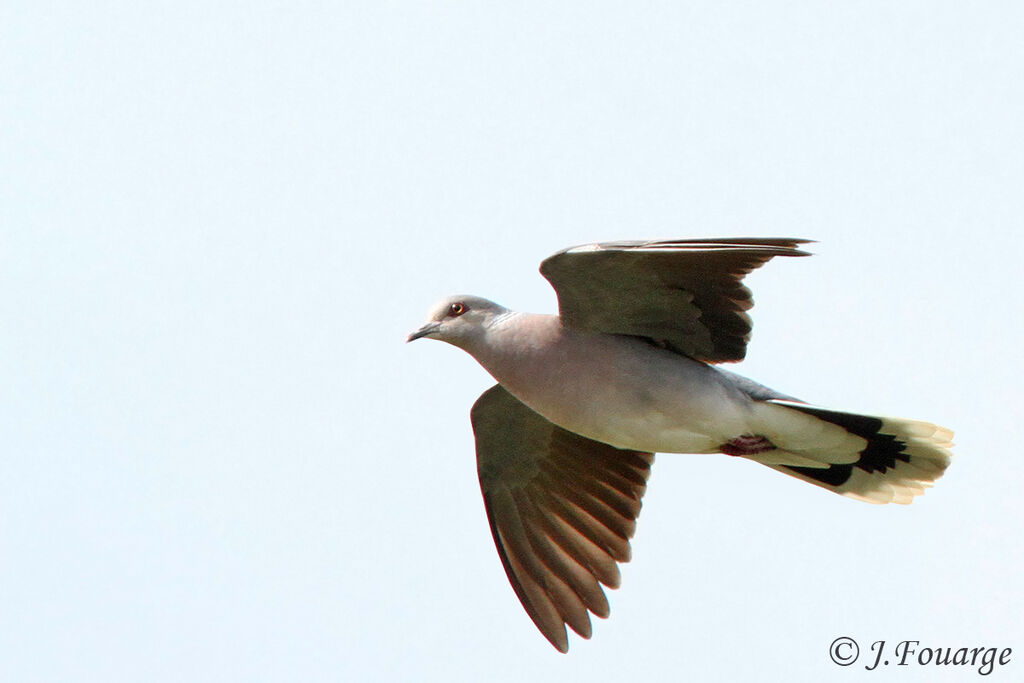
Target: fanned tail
pixel 874 459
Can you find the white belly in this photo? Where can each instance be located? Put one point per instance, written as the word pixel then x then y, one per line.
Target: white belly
pixel 672 418
pixel 649 399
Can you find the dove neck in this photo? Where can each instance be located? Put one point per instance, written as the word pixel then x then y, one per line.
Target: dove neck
pixel 516 343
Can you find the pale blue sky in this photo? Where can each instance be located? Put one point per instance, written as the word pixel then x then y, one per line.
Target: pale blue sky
pixel 218 221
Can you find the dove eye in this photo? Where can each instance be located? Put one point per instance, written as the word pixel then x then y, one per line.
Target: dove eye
pixel 456 309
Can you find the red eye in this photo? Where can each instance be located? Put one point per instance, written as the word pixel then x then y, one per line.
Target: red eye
pixel 456 309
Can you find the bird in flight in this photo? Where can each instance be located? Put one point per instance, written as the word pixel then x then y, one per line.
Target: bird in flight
pixel 566 439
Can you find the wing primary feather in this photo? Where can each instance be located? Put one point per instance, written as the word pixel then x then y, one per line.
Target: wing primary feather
pixel 619 530
pixel 572 570
pixel 567 519
pixel 600 565
pixel 556 576
pixel 624 504
pixel 532 593
pixel 587 524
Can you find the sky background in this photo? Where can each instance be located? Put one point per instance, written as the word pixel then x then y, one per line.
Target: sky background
pixel 219 220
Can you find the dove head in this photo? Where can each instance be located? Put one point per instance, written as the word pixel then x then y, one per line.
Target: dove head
pixel 459 320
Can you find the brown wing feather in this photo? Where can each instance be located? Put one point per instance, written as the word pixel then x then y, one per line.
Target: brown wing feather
pixel 561 507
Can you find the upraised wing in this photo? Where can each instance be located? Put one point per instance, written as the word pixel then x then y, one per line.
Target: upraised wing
pixel 562 509
pixel 686 295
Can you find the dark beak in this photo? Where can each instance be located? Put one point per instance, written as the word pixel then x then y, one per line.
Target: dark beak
pixel 424 331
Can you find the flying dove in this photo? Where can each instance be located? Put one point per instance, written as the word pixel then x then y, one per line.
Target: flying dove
pixel 566 439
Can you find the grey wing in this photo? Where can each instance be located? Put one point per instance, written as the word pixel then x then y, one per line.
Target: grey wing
pixel 686 295
pixel 562 509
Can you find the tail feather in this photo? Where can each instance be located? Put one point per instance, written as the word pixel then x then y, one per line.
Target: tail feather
pixel 874 459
